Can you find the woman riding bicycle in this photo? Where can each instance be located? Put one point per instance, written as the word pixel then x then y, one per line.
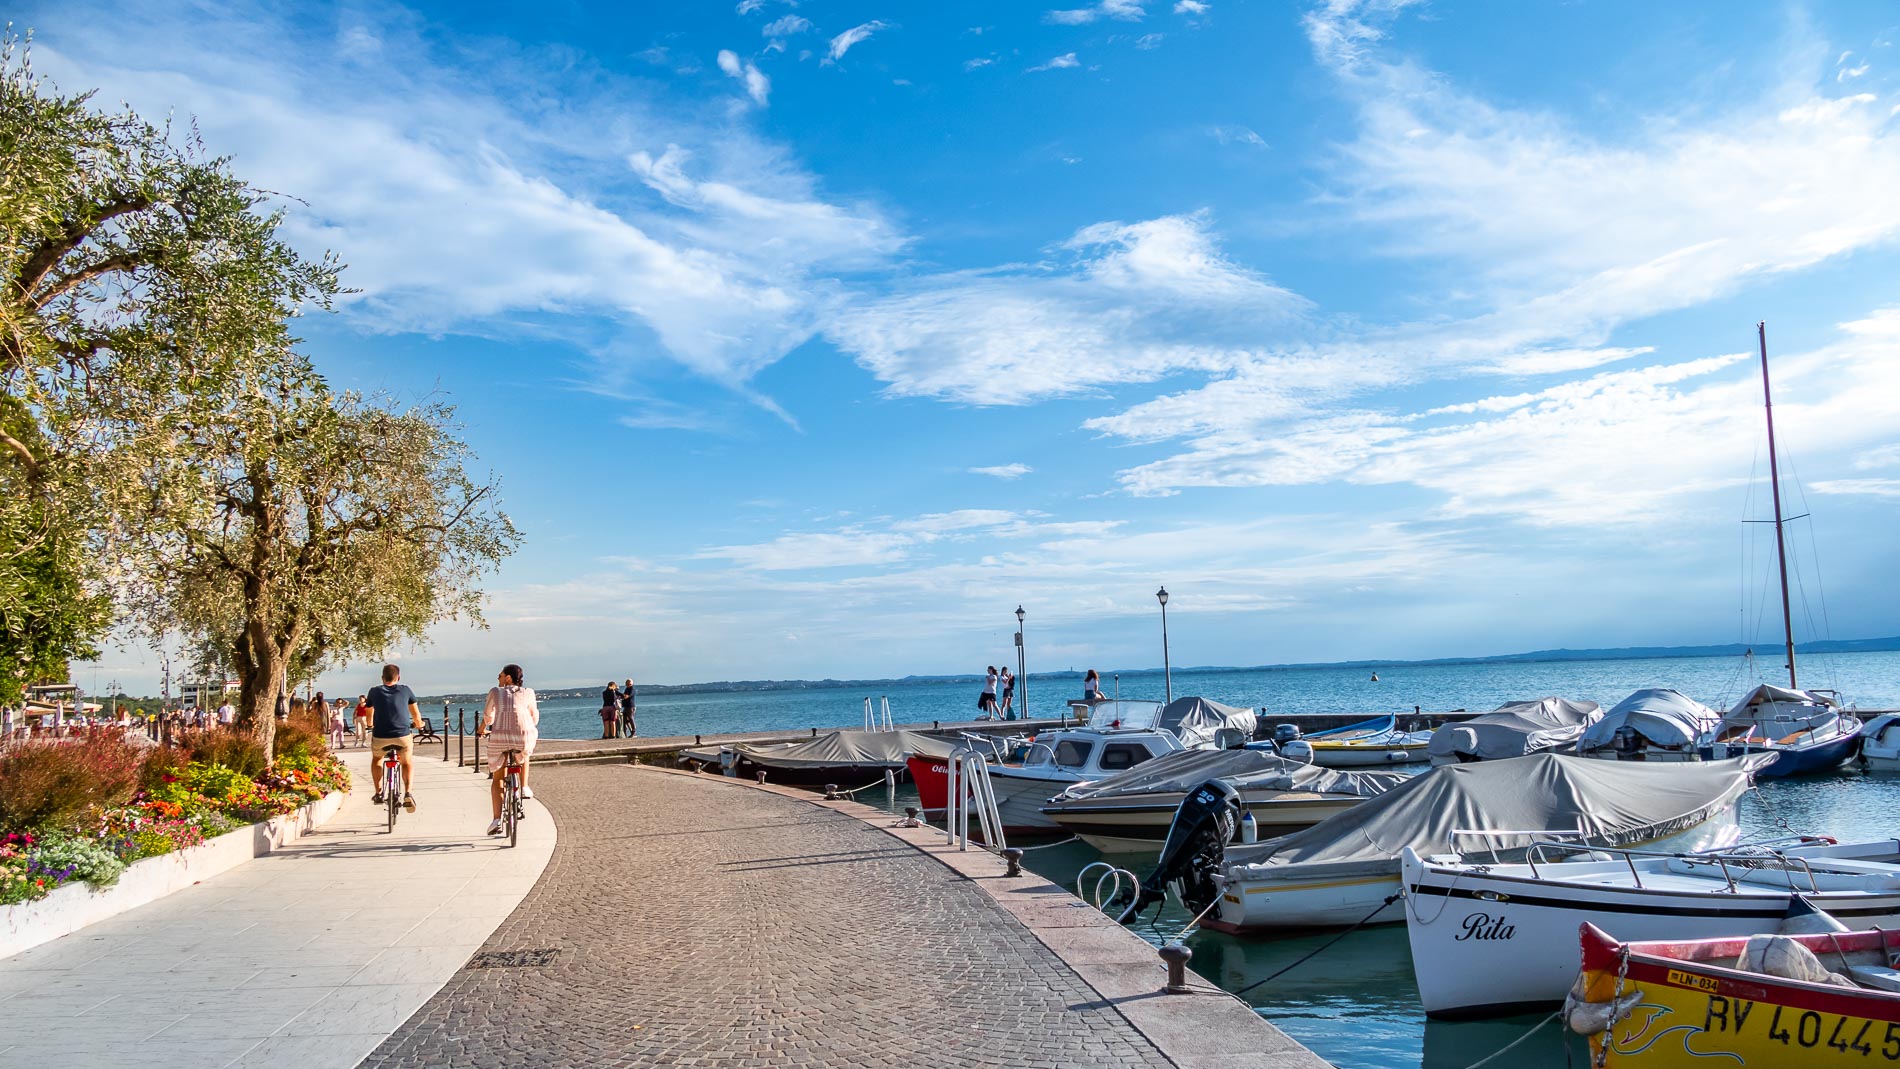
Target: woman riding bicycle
pixel 512 721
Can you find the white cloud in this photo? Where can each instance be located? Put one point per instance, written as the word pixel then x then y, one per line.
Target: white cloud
pixel 981 61
pixel 786 26
pixel 1125 10
pixel 757 85
pixel 1004 471
pixel 1191 7
pixel 1148 42
pixel 1237 135
pixel 1062 62
pixel 855 35
pixel 1861 487
pixel 1123 302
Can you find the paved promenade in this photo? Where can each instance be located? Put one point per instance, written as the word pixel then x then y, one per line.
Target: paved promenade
pixel 689 922
pixel 305 958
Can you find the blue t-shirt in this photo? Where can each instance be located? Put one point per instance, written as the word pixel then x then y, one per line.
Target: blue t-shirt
pixel 391 703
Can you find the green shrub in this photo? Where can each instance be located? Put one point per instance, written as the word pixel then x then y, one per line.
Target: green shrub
pixel 71 858
pixel 163 764
pixel 296 739
pixel 216 782
pixel 237 750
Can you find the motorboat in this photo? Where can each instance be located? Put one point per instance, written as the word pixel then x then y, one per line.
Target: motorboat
pixel 1653 724
pixel 1880 743
pixel 1345 870
pixel 1514 729
pixel 1491 939
pixel 1807 728
pixel 846 757
pixel 1131 811
pixel 1374 743
pixel 1118 736
pixel 1824 999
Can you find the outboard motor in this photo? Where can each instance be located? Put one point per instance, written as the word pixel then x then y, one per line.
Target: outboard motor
pixel 1285 733
pixel 1193 852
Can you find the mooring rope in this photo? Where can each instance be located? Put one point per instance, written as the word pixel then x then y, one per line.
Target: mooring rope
pixel 1389 899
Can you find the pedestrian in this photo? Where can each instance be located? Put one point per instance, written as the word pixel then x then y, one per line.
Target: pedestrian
pixel 362 724
pixel 609 711
pixel 334 711
pixel 1009 694
pixel 986 701
pixel 322 710
pixel 626 710
pixel 1092 687
pixel 512 719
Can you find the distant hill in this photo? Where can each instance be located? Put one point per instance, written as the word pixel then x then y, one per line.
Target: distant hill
pixel 1733 649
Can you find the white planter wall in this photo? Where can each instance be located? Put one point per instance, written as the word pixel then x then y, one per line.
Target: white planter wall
pixel 75 905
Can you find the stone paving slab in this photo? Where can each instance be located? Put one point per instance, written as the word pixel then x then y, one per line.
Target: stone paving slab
pixel 690 921
pixel 305 958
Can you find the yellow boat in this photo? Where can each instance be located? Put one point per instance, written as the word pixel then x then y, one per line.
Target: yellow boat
pixel 1659 1005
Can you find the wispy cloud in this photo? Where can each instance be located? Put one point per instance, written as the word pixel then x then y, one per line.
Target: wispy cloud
pixel 853 36
pixel 1125 10
pixel 1237 135
pixel 1004 471
pixel 786 26
pixel 1063 62
pixel 757 85
pixel 1118 302
pixel 1191 7
pixel 980 61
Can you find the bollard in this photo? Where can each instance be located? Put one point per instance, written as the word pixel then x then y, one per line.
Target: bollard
pixel 1014 855
pixel 761 776
pixel 814 733
pixel 831 792
pixel 461 738
pixel 696 741
pixel 1177 957
pixel 936 725
pixel 478 751
pixel 445 734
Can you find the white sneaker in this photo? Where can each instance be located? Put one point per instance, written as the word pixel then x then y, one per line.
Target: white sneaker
pixel 527 792
pixel 495 828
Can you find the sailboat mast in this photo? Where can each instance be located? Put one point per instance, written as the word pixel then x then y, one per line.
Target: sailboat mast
pixel 1774 480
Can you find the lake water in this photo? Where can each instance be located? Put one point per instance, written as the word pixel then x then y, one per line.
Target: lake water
pixel 1356 1003
pixel 1872 680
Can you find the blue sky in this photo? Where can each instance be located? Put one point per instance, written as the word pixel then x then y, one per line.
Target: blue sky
pixel 811 339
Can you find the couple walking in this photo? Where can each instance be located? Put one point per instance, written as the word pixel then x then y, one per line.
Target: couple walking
pixel 616 712
pixel 987 701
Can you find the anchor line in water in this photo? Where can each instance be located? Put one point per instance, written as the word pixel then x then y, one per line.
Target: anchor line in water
pixel 1389 899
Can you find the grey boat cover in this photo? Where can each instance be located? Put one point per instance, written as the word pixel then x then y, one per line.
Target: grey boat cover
pixel 848 747
pixel 1196 721
pixel 1613 803
pixel 1769 702
pixel 1515 729
pixel 1665 717
pixel 1184 770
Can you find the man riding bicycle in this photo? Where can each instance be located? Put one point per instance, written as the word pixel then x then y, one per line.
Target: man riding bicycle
pixel 512 721
pixel 393 723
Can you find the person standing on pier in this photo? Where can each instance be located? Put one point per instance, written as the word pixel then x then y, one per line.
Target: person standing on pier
pixel 1009 693
pixel 626 710
pixel 986 701
pixel 609 711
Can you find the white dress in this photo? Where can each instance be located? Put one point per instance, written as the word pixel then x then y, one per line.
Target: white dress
pixel 513 719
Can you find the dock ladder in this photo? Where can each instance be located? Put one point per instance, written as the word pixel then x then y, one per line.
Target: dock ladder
pixel 970 788
pixel 878 718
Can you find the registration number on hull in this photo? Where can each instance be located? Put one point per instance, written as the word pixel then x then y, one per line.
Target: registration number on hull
pixel 1770 1027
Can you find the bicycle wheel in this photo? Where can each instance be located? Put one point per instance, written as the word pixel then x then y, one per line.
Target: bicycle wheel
pixel 511 808
pixel 393 797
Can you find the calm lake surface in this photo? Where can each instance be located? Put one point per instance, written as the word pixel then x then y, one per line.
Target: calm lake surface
pixel 1356 1004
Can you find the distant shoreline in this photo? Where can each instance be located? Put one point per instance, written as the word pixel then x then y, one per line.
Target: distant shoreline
pixel 1626 653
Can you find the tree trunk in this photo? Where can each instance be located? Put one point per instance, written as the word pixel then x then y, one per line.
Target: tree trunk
pixel 261 671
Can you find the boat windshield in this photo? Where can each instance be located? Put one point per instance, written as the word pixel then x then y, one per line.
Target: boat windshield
pixel 1120 715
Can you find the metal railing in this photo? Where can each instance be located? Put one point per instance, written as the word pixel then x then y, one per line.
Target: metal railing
pixel 878 717
pixel 1757 861
pixel 969 792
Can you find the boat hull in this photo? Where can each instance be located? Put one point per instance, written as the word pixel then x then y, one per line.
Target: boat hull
pixel 1139 823
pixel 1019 798
pixel 1688 1011
pixel 845 776
pixel 1347 755
pixel 1330 896
pixel 1503 941
pixel 1825 756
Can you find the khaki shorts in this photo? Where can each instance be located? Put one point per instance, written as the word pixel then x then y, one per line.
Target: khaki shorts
pixel 376 744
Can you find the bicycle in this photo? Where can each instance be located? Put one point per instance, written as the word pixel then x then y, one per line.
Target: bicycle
pixel 511 807
pixel 392 783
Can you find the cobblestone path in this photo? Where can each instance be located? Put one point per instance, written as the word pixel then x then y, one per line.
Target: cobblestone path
pixel 698 923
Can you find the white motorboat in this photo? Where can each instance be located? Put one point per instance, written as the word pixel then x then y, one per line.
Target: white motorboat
pixel 1345 870
pixel 1119 735
pixel 1880 743
pixel 1491 938
pixel 1653 724
pixel 1514 729
pixel 1132 812
pixel 1376 743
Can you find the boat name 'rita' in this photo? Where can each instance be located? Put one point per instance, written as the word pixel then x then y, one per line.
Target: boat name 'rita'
pixel 1484 926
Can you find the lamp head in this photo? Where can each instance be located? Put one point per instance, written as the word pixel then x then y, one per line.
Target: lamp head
pixel 1019 616
pixel 1162 595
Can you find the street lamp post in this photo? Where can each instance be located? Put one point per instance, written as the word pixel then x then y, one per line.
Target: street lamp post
pixel 1167 668
pixel 1022 675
